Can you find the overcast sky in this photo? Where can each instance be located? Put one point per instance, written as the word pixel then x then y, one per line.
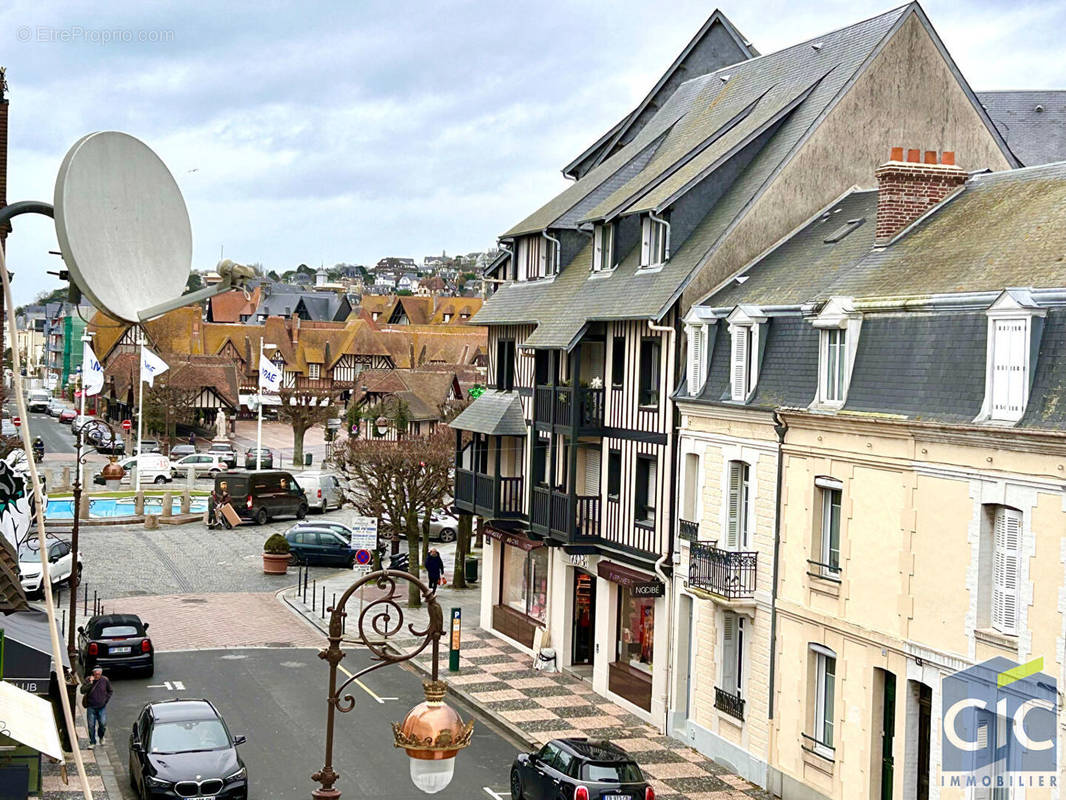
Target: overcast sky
pixel 323 132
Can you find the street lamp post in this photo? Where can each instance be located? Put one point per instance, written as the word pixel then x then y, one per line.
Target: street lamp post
pixel 432 733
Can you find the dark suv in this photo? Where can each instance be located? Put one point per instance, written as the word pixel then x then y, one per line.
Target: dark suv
pixel 263 495
pixel 182 748
pixel 578 769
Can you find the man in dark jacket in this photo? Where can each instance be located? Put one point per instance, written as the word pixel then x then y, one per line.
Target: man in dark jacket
pixel 97 691
pixel 435 568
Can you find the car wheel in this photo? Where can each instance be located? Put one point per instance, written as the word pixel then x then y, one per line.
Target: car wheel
pixel 160 479
pixel 447 535
pixel 133 781
pixel 516 785
pixel 261 517
pixel 294 559
pixel 214 472
pixel 301 511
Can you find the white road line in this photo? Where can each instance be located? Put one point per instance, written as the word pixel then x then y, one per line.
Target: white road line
pixel 495 795
pixel 156 686
pixel 179 686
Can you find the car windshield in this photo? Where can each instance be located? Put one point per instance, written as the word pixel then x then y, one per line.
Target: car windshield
pixel 117 631
pixel 28 553
pixel 623 772
pixel 189 737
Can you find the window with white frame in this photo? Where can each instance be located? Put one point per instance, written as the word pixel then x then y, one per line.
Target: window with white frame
pixel 1006 560
pixel 742 369
pixel 737 521
pixel 314 371
pixel 603 254
pixel 654 242
pixel 697 358
pixel 824 717
pixel 1009 368
pixel 549 257
pixel 732 654
pixel 834 372
pixel 827 544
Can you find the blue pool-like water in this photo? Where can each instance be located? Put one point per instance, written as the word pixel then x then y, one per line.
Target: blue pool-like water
pixel 118 507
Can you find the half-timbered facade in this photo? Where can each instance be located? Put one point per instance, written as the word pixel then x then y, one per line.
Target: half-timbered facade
pixel 585 332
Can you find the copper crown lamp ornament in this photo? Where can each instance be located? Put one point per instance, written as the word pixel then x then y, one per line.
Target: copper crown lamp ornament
pixel 432 733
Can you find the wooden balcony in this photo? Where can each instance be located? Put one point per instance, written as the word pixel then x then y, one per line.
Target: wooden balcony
pixel 729 574
pixel 552 515
pixel 488 496
pixel 561 406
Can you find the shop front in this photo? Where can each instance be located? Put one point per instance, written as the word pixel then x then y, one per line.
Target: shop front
pixel 519 586
pixel 634 647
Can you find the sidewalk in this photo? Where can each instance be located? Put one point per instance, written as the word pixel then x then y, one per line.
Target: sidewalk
pixel 535 706
pixel 98 769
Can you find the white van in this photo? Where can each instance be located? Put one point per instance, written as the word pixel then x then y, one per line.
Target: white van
pixel 324 490
pixel 38 400
pixel 155 468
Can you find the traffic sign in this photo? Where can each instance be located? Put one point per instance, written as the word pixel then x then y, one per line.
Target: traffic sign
pixel 126 425
pixel 364 533
pixel 77 393
pixel 17 421
pixel 362 557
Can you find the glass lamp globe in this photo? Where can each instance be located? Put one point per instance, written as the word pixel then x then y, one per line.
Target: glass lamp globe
pixel 432 776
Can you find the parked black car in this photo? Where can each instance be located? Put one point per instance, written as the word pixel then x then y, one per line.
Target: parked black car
pixel 265 458
pixel 262 496
pixel 578 769
pixel 309 545
pixel 116 642
pixel 182 748
pixel 181 450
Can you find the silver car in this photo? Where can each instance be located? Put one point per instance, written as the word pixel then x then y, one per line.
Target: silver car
pixel 203 463
pixel 325 490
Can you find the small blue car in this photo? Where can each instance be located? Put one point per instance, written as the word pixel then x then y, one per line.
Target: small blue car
pixel 310 545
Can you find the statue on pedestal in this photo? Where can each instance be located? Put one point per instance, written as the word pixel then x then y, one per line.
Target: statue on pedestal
pixel 221 427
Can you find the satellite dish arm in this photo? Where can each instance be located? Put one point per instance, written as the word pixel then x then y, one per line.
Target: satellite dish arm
pixel 25 207
pixel 234 276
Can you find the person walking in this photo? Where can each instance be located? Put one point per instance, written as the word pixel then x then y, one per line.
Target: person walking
pixel 192 438
pixel 435 568
pixel 97 693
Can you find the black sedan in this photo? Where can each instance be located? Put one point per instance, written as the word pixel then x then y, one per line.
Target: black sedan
pixel 182 748
pixel 578 769
pixel 263 457
pixel 116 642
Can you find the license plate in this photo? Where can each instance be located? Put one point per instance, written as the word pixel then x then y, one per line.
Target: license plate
pixel 121 651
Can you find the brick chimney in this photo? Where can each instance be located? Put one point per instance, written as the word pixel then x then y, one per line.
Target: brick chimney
pixel 908 188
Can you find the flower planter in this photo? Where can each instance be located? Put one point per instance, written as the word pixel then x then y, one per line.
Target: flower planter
pixel 275 564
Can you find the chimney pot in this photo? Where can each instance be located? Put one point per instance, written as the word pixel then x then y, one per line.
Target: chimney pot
pixel 897 154
pixel 948 157
pixel 930 156
pixel 914 156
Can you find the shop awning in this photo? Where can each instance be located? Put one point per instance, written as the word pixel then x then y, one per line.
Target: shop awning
pixel 28 720
pixel 513 539
pixel 640 583
pixel 494 413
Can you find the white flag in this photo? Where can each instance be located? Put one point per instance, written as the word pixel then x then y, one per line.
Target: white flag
pixel 269 375
pixel 151 366
pixel 92 374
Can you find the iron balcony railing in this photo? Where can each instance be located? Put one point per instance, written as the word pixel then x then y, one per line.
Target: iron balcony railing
pixel 727 573
pixel 687 530
pixel 731 704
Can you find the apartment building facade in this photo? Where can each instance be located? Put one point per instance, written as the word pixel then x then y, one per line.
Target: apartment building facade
pixel 572 455
pixel 897 359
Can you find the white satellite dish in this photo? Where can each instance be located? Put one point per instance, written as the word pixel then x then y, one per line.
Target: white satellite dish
pixel 122 225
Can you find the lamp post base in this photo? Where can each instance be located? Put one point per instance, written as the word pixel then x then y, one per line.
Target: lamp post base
pixel 325 794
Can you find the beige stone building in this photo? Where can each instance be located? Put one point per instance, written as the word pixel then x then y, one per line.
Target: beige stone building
pixel 906 346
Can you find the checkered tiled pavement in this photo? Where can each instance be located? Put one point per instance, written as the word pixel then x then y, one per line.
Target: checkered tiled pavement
pixel 53 786
pixel 549 705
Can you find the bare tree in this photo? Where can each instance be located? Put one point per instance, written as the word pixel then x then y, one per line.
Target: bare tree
pixel 168 402
pixel 303 409
pixel 397 482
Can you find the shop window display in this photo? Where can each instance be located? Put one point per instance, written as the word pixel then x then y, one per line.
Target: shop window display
pixel 524 581
pixel 636 630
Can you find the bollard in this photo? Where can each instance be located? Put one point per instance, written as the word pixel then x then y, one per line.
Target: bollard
pixel 85 609
pixel 138 503
pixel 322 609
pixel 168 504
pixel 190 479
pixel 186 501
pixel 83 508
pixel 63 623
pixel 96 603
pixel 314 595
pixel 66 477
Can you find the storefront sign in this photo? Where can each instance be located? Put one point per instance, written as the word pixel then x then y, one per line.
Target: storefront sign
pixel 579 560
pixel 639 583
pixel 31 685
pixel 512 539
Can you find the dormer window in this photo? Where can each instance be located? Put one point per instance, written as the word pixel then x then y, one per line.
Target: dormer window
pixel 1014 325
pixel 603 255
pixel 447 317
pixel 314 371
pixel 655 242
pixel 839 333
pixel 744 325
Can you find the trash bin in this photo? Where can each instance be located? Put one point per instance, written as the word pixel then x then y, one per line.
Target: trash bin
pixel 307 459
pixel 470 569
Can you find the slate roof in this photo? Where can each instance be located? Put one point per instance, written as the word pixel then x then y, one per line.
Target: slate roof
pixel 1034 136
pixel 696 123
pixel 318 306
pixel 494 413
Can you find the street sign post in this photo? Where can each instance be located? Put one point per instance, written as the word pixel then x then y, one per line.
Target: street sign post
pixel 17 421
pixel 126 425
pixel 363 557
pixel 454 640
pixel 364 533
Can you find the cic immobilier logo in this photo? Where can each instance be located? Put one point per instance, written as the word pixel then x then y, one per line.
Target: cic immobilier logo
pixel 999 726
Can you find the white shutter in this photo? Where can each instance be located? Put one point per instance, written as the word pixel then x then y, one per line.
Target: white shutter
pixel 1007 535
pixel 695 359
pixel 736 479
pixel 1009 374
pixel 597 257
pixel 592 472
pixel 740 364
pixel 729 652
pixel 645 242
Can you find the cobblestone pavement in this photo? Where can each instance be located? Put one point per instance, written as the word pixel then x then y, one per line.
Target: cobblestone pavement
pixel 97 770
pixel 537 706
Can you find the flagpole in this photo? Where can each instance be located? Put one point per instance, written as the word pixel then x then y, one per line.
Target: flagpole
pixel 140 415
pixel 259 423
